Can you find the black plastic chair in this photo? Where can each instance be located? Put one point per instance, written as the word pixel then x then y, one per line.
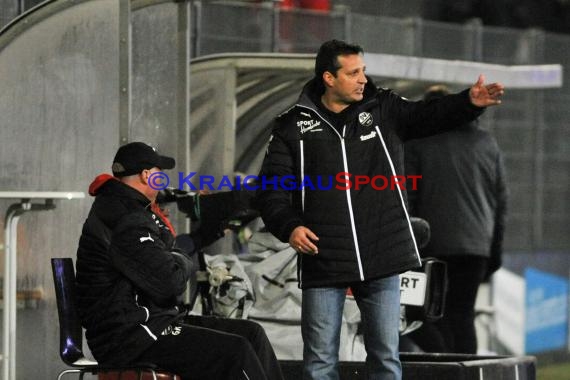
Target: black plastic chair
pixel 71 332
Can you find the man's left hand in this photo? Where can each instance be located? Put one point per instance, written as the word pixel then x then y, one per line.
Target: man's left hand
pixel 482 95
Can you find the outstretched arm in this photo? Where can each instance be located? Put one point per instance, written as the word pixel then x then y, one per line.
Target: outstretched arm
pixel 482 95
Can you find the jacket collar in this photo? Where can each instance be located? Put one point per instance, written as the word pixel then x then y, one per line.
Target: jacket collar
pixel 313 90
pixel 121 190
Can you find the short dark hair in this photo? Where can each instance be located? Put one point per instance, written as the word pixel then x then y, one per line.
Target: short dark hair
pixel 327 57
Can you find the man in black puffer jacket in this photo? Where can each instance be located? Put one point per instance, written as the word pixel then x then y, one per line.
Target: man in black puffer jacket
pixel 463 197
pixel 130 280
pixel 354 232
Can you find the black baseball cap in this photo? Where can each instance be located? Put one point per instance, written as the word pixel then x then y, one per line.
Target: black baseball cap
pixel 135 157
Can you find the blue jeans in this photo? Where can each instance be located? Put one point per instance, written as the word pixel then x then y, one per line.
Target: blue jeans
pixel 379 304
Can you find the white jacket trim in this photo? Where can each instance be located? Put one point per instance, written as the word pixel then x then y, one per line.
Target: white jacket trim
pixel 392 168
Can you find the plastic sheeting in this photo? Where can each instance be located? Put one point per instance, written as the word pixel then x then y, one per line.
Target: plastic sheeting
pixel 269 273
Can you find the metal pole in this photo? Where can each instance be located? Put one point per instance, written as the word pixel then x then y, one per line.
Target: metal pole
pixel 347 23
pixel 275 35
pixel 13 214
pixel 21 7
pixel 125 40
pixel 183 95
pixel 10 281
pixel 197 28
pixel 474 40
pixel 10 278
pixel 417 25
pixel 536 105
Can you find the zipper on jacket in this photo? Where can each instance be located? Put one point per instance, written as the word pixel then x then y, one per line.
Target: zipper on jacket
pixel 143 307
pixel 351 213
pixel 302 174
pixel 145 327
pixel 302 206
pixel 393 169
pixel 148 331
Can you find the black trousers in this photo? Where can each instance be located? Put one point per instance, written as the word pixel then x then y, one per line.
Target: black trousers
pixel 455 331
pixel 212 348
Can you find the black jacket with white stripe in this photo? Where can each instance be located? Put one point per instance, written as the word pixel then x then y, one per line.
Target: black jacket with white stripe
pixel 128 279
pixel 364 232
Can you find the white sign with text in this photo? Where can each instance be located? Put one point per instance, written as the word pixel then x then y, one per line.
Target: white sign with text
pixel 413 288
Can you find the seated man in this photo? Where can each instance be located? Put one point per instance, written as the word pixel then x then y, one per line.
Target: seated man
pixel 130 280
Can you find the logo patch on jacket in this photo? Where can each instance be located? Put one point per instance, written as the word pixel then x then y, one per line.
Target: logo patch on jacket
pixel 157 221
pixel 145 238
pixel 172 330
pixel 365 119
pixel 309 126
pixel 368 136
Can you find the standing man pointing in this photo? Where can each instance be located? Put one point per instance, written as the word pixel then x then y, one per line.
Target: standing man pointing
pixel 358 238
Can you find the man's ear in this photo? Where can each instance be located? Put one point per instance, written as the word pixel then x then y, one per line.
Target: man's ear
pixel 143 176
pixel 328 78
